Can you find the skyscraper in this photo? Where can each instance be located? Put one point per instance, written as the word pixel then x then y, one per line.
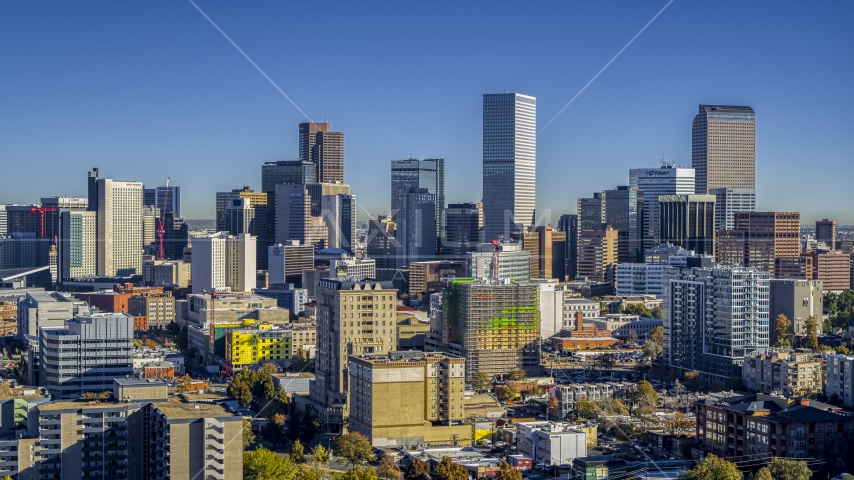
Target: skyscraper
pixel 509 163
pixel 224 261
pixel 825 232
pixel 240 216
pixel 759 238
pixel 54 206
pixel 724 147
pixel 77 244
pixel 156 197
pixel 569 225
pixel 665 180
pixel 339 215
pixel 119 227
pixel 283 172
pixel 463 228
pixel 381 242
pixel 688 221
pixel 416 226
pixel 323 148
pixel 624 211
pixel 224 198
pixel 428 174
pixel 729 201
pixel 294 220
pixel 597 254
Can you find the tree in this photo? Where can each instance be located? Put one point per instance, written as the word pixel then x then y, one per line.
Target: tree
pixel 248 436
pixel 653 346
pixel 811 337
pixel 784 469
pixel 89 395
pixel 237 390
pixel 693 380
pixel 183 340
pixel 297 454
pixel 535 390
pixel 783 332
pixel 150 343
pixel 615 406
pixel 183 385
pixel 448 470
pixel 355 447
pixel 835 400
pixel 658 312
pixel 713 468
pixel 585 408
pixel 718 385
pixel 274 431
pixel 506 394
pixel 388 468
pixel 680 425
pixel 320 455
pixel 418 470
pixel 269 368
pixel 633 337
pixel 356 473
pixel 518 375
pixel 482 381
pixel 762 474
pixel 506 472
pixel 554 407
pixel 644 395
pixel 309 424
pixel 262 464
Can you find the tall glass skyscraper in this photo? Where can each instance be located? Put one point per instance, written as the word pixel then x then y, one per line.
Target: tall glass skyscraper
pixel 509 163
pixel 665 180
pixel 415 174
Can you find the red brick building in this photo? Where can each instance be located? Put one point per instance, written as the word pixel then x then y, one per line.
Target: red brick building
pixel 165 370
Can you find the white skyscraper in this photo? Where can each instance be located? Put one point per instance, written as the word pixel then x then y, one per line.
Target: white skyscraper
pixel 665 180
pixel 119 230
pixel 509 163
pixel 78 253
pixel 223 261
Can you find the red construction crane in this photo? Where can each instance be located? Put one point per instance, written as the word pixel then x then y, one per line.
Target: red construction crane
pixel 495 256
pixel 41 211
pixel 161 228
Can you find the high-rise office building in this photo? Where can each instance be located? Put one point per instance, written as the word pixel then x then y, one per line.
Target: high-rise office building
pixel 224 198
pixel 728 202
pixel 150 219
pixel 623 208
pixel 77 249
pixel 353 318
pixel 119 230
pixel 463 228
pixel 688 221
pixel 381 242
pixel 339 216
pixel 598 254
pixel 156 197
pixel 825 232
pixel 287 172
pixel 240 217
pixel 323 148
pixel 23 219
pixel 491 341
pixel 223 261
pixel 54 206
pixel 286 262
pixel 509 163
pixel 568 224
pixel 723 147
pixel 414 173
pixel 294 220
pixel 665 180
pixel 416 226
pixel 176 237
pixel 758 238
pixel 832 268
pixel 591 215
pixel 97 347
pixel 714 317
pixel 548 252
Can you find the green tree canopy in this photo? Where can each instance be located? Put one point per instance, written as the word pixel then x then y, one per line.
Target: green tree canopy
pixel 418 470
pixel 811 337
pixel 481 381
pixel 248 436
pixel 783 332
pixel 785 469
pixel 585 408
pixel 355 447
pixel 297 452
pixel 262 464
pixel 320 455
pixel 713 468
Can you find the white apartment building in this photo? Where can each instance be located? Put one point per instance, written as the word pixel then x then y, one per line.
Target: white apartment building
pixel 346 268
pixel 551 443
pixel 513 262
pixel 550 304
pixel 120 226
pixel 839 378
pixel 640 279
pixel 222 261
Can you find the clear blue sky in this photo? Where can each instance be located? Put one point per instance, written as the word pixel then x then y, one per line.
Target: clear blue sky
pixel 146 90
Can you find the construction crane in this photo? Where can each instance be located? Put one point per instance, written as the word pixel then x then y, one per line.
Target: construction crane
pixel 495 256
pixel 41 211
pixel 161 228
pixel 214 295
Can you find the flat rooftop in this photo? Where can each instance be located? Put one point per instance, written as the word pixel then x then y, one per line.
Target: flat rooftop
pixel 176 409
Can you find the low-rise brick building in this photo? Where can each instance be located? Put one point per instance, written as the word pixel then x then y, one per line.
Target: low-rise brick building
pixel 768 425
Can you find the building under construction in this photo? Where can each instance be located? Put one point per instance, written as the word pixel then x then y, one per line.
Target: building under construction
pixel 496 323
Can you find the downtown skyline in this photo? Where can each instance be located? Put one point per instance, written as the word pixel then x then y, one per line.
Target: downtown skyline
pixel 212 132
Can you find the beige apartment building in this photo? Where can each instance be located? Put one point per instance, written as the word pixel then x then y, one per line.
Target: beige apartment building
pixel 353 318
pixel 792 373
pixel 408 398
pixel 597 254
